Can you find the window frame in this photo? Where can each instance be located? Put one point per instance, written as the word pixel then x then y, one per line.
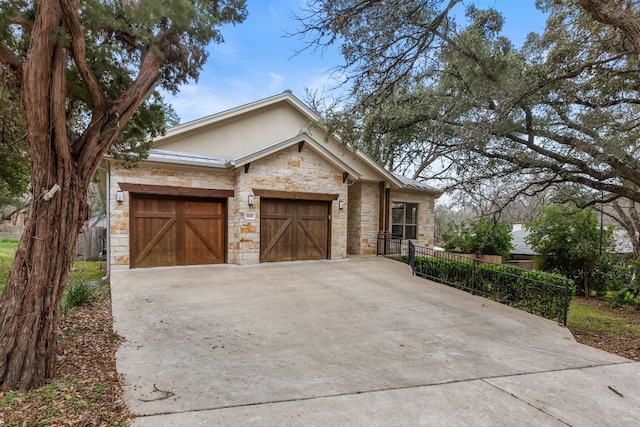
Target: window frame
pixel 404 224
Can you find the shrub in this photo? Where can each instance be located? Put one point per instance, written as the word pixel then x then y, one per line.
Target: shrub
pixel 567 240
pixel 480 237
pixel 79 293
pixel 628 289
pixel 533 291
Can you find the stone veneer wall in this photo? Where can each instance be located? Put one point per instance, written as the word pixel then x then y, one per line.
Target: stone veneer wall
pixel 426 217
pixel 148 174
pixel 286 170
pixel 364 208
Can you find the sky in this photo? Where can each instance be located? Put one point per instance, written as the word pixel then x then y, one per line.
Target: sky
pixel 258 59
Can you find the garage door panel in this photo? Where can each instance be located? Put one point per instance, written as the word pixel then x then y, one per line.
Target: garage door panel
pixel 276 240
pixel 293 230
pixel 311 240
pixel 201 243
pixel 174 231
pixel 158 237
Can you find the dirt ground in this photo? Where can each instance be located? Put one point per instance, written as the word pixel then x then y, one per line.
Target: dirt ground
pixel 87 389
pixel 624 341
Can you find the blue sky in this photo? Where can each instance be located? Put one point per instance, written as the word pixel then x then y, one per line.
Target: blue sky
pixel 257 58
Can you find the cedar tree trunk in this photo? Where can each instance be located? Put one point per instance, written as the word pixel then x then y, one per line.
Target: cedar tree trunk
pixel 29 306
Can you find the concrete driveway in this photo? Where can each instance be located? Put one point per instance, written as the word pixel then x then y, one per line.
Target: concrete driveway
pixel 352 342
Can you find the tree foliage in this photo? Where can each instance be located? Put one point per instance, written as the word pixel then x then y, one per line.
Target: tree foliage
pixel 14 167
pixel 479 236
pixel 86 74
pixel 561 110
pixel 568 241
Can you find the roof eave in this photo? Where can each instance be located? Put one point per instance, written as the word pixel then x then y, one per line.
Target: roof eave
pixel 198 125
pixel 303 136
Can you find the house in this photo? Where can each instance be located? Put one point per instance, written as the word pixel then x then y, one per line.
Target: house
pixel 253 184
pixel 522 255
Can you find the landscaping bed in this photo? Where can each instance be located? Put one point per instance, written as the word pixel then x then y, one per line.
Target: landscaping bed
pixel 598 323
pixel 87 390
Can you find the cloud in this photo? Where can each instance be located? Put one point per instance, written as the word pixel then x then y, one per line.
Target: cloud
pixel 276 82
pixel 195 101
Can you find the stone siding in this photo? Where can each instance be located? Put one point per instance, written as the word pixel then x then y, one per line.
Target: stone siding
pixel 149 174
pixel 286 170
pixel 364 209
pixel 291 171
pixel 426 217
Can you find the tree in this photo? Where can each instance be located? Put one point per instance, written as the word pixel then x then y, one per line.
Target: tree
pixel 562 109
pixel 479 236
pixel 14 167
pixel 567 240
pixel 626 213
pixel 86 74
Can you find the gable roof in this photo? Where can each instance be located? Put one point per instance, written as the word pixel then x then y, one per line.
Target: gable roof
pixel 520 246
pixel 412 184
pixel 198 125
pixel 303 137
pixel 333 154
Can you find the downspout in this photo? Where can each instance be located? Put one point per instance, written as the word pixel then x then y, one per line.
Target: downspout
pixel 107 204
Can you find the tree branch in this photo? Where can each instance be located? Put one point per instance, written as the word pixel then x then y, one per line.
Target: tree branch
pixel 8 58
pixel 78 52
pixel 612 13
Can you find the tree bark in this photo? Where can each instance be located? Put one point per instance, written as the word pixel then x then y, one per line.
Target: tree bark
pixel 61 173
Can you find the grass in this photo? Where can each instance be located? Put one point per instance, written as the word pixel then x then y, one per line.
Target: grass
pixel 585 317
pixel 8 249
pixel 86 271
pixel 81 271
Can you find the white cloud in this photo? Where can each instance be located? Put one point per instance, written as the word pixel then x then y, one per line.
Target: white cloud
pixel 276 82
pixel 195 101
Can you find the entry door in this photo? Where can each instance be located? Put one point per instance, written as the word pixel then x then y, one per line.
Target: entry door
pixel 294 230
pixel 176 231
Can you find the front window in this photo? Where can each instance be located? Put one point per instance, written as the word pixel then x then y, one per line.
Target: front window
pixel 404 220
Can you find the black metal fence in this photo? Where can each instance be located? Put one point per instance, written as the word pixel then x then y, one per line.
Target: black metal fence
pixel 540 293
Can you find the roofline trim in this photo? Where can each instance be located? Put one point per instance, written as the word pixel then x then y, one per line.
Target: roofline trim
pixel 303 136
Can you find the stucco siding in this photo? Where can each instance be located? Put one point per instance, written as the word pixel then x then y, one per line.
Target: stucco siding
pixel 240 136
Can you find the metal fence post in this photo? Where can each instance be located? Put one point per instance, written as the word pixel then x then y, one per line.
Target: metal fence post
pixel 566 302
pixel 473 276
pixel 412 257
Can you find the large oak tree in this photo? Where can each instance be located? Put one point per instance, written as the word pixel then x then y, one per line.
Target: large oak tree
pixel 561 113
pixel 86 73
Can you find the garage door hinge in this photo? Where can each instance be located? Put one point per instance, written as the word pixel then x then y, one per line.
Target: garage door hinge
pixel 329 217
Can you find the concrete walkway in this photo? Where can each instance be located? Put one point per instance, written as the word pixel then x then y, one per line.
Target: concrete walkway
pixel 355 342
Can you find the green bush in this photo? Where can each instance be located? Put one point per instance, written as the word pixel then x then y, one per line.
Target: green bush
pixel 480 237
pixel 79 293
pixel 568 241
pixel 533 291
pixel 627 284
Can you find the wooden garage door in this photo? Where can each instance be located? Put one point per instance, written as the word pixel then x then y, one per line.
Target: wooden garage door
pixel 294 230
pixel 176 231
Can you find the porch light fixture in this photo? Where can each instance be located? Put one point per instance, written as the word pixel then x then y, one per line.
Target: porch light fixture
pixel 250 200
pixel 340 204
pixel 119 196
